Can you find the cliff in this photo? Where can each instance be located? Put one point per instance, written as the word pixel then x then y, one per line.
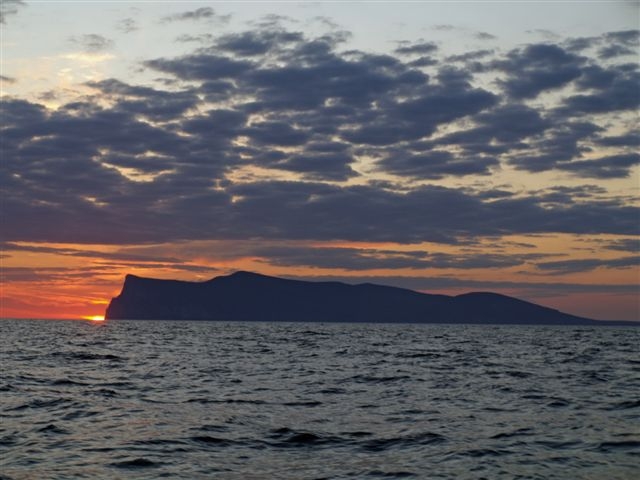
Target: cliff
pixel 245 296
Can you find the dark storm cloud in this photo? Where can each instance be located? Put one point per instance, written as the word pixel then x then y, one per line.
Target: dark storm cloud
pixel 538 68
pixel 587 264
pixel 92 42
pixel 9 8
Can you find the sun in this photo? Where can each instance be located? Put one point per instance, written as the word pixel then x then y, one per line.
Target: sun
pixel 95 318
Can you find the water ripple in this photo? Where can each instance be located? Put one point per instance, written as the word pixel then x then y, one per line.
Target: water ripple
pixel 192 400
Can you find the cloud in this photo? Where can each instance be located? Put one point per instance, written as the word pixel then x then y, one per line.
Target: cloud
pixel 557 147
pixel 92 43
pixel 127 25
pixel 5 79
pixel 201 38
pixel 537 68
pixel 484 36
pixel 473 55
pixel 497 131
pixel 436 164
pixel 200 67
pixel 612 166
pixel 326 21
pixel 611 44
pixel 149 102
pixel 355 259
pixel 9 8
pixel 202 13
pixel 629 38
pixel 419 48
pixel 625 245
pixel 616 91
pixel 421 115
pixel 549 34
pixel 273 134
pixel 444 27
pixel 422 62
pixel 273 21
pixel 254 43
pixel 276 134
pixel 122 255
pixel 30 274
pixel 612 51
pixel 588 264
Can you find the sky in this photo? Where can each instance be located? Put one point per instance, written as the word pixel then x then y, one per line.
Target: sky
pixel 445 147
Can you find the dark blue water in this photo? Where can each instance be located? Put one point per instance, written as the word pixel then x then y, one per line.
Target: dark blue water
pixel 190 400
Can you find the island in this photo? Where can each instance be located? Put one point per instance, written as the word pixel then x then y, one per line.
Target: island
pixel 246 296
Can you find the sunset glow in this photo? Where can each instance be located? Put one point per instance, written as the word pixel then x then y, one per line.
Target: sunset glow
pixel 439 149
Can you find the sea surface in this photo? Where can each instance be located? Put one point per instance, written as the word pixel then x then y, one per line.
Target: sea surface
pixel 199 400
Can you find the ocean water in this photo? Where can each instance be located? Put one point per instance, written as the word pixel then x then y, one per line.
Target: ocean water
pixel 196 400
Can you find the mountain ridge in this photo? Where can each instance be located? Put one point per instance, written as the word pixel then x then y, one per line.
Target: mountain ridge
pixel 249 296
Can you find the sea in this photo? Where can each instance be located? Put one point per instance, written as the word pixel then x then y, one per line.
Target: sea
pixel 217 400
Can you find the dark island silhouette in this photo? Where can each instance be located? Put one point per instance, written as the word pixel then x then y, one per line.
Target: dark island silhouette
pixel 245 296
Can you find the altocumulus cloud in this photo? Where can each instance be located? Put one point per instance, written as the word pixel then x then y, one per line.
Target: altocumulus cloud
pixel 9 8
pixel 202 13
pixel 158 164
pixel 91 42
